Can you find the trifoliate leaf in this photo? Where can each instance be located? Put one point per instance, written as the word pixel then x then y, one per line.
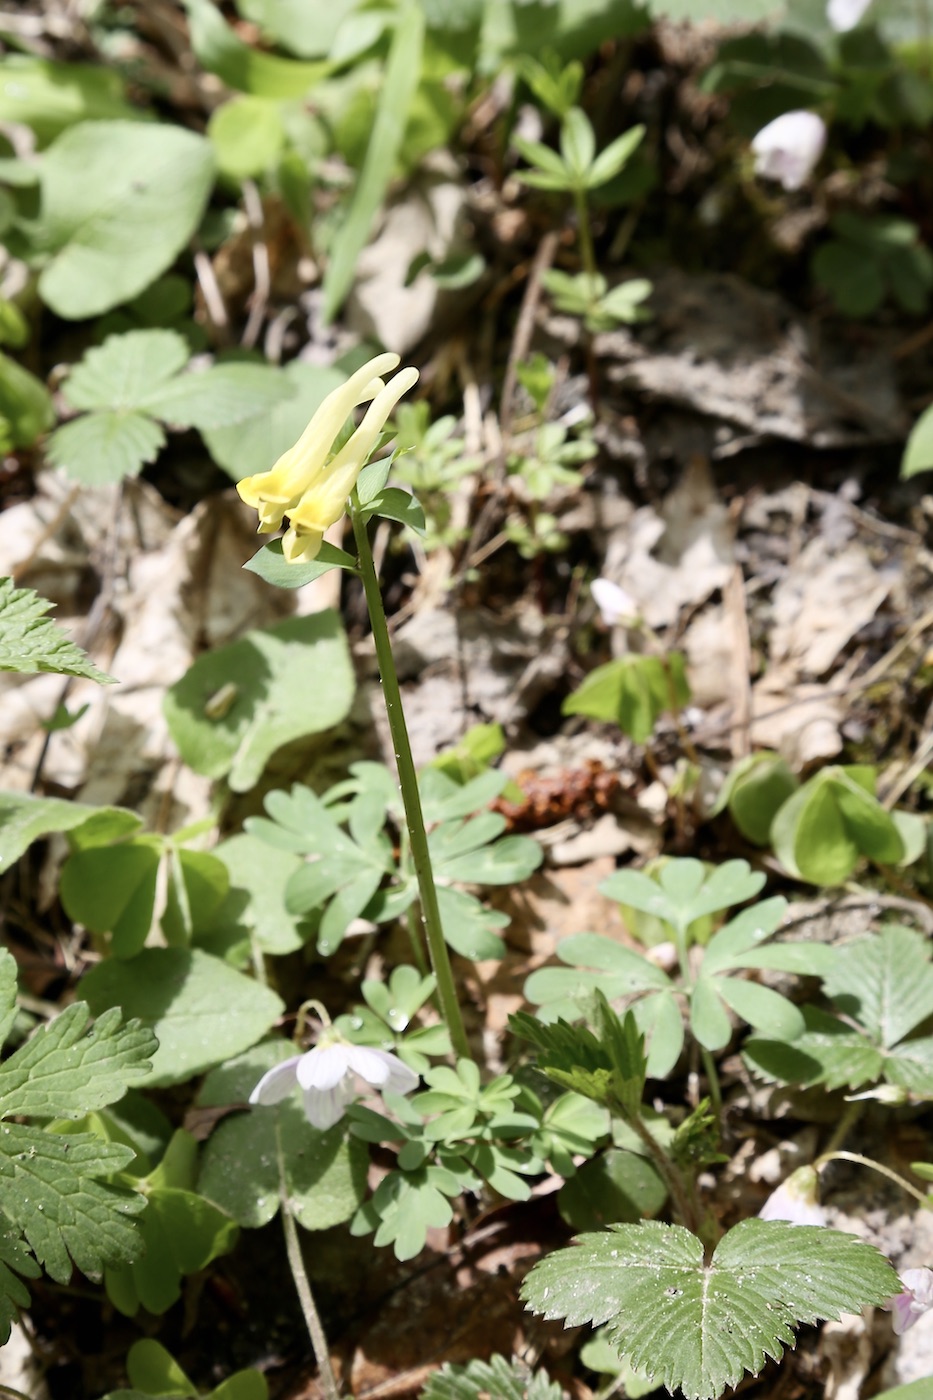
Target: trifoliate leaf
pixel 700 1326
pixel 496 1379
pixel 31 642
pixel 885 982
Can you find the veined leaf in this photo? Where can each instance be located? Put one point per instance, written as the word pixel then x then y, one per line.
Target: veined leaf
pixel 31 642
pixel 119 202
pixel 696 1326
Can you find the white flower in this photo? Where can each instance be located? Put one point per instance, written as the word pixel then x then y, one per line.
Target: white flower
pixel 916 1299
pixel 788 148
pixel 325 1077
pixel 613 602
pixel 797 1199
pixel 844 15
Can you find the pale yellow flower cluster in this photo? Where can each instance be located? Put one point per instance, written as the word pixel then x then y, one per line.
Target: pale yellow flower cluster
pixel 308 484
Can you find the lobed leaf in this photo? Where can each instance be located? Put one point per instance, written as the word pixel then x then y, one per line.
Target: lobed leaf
pixel 31 642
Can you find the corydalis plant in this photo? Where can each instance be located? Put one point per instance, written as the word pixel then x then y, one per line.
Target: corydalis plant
pixel 310 482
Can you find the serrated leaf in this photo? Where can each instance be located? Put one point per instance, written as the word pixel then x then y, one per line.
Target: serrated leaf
pixel 14 1260
pixel 201 1010
pixel 126 370
pixel 496 1379
pixel 885 982
pixel 65 1070
pixel 105 447
pixel 699 1326
pixel 325 1173
pixel 30 642
pixel 119 202
pixel 279 696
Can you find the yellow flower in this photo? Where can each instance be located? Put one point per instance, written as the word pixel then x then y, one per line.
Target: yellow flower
pixel 307 484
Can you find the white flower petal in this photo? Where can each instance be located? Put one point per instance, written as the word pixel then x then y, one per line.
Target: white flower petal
pixel 277 1083
pixel 844 15
pixel 788 148
pixel 323 1067
pixel 613 602
pixel 369 1064
pixel 796 1199
pixel 325 1107
pixel 401 1078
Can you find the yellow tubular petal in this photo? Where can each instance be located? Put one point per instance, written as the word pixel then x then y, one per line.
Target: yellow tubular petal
pixel 298 468
pixel 301 547
pixel 364 439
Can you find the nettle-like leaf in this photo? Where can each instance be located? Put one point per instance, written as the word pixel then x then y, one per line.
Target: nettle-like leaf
pixel 699 1325
pixel 53 1185
pixel 133 384
pixel 495 1379
pixel 31 642
pixel 882 986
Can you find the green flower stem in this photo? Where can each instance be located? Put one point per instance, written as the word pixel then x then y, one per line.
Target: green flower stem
pixel 586 236
pixel 680 1195
pixel 875 1167
pixel 712 1081
pixel 408 782
pixel 302 1283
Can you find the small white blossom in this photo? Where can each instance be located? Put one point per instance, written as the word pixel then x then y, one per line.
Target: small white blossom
pixel 613 602
pixel 325 1076
pixel 916 1299
pixel 797 1199
pixel 788 148
pixel 844 15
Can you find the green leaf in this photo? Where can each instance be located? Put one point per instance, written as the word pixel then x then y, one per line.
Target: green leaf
pixel 15 1260
pixel 65 1070
pixel 614 158
pixel 885 982
pixel 495 1379
pixel 182 1233
pixel 201 1010
pixel 616 1186
pixel 399 83
pixel 291 397
pixel 830 823
pixel 700 1326
pixel 26 408
pixel 395 504
pixel 106 446
pixel 31 642
pixel 154 1371
pixel 126 370
pixel 271 565
pixel 260 873
pixel 577 144
pixel 469 927
pixel 325 1173
pixel 25 818
pixel 198 884
pixel 47 97
pixel 248 136
pixel 633 692
pixel 112 889
pixel 279 697
pixel 119 202
pixel 50 1181
pixel 918 454
pixel 754 792
pixel 241 65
